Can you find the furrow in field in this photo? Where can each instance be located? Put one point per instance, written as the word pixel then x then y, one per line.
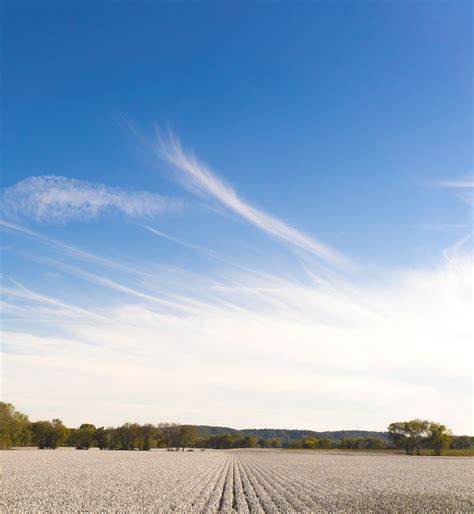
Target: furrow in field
pixel 193 488
pixel 251 496
pixel 305 489
pixel 299 481
pixel 227 498
pixel 280 491
pixel 215 498
pixel 204 493
pixel 239 503
pixel 269 503
pixel 295 495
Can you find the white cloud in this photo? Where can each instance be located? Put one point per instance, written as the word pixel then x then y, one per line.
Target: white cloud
pixel 455 184
pixel 68 250
pixel 256 351
pixel 199 178
pixel 464 188
pixel 60 199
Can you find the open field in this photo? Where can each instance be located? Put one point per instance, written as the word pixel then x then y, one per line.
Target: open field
pixel 231 481
pixel 464 452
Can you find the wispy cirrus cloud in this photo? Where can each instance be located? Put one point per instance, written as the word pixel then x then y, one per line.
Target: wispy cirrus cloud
pixel 285 333
pixel 199 178
pixel 60 199
pixel 464 188
pixel 69 250
pixel 455 184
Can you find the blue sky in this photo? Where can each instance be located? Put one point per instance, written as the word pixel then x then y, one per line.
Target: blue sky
pixel 280 194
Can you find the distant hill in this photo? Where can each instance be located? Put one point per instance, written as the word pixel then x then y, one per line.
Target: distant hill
pixel 287 434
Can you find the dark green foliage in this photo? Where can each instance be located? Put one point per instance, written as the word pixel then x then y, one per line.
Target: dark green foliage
pixel 83 437
pixel 49 434
pixel 176 437
pixel 417 434
pixel 414 435
pixel 15 428
pixel 287 436
pixel 439 439
pixel 234 440
pixel 362 443
pixel 324 443
pixel 462 442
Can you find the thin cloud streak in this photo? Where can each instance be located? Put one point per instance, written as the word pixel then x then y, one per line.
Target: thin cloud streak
pixel 198 178
pixel 70 250
pixel 59 199
pixel 463 187
pixel 208 253
pixel 284 334
pixel 455 184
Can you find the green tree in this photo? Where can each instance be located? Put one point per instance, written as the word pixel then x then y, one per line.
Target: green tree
pixel 348 443
pixel 129 436
pixel 59 433
pixel 176 437
pixel 309 442
pixel 220 442
pixel 324 443
pixel 409 435
pixel 102 438
pixel 247 441
pixel 167 435
pixel 374 443
pixel 14 427
pixel 186 436
pixel 41 432
pixel 6 422
pixel 84 436
pixel 439 438
pixel 148 437
pixel 49 435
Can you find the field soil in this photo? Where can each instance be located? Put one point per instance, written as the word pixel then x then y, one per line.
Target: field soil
pixel 232 481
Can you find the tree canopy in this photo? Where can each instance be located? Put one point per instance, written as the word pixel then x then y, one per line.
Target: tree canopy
pixel 413 436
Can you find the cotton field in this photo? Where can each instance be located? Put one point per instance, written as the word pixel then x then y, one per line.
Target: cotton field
pixel 231 481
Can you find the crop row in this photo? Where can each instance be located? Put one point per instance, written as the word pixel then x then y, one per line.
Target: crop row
pixel 243 482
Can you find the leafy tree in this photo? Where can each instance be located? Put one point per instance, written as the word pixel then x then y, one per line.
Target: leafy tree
pixel 59 433
pixel 129 436
pixel 47 434
pixel 324 443
pixel 245 441
pixel 14 427
pixel 84 436
pixel 309 442
pixel 41 431
pixel 148 437
pixel 186 436
pixel 439 438
pixel 372 443
pixel 176 437
pixel 275 443
pixel 409 435
pixel 167 433
pixel 102 438
pixel 220 442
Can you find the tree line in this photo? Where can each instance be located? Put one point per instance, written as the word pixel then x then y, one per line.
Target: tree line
pixel 17 430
